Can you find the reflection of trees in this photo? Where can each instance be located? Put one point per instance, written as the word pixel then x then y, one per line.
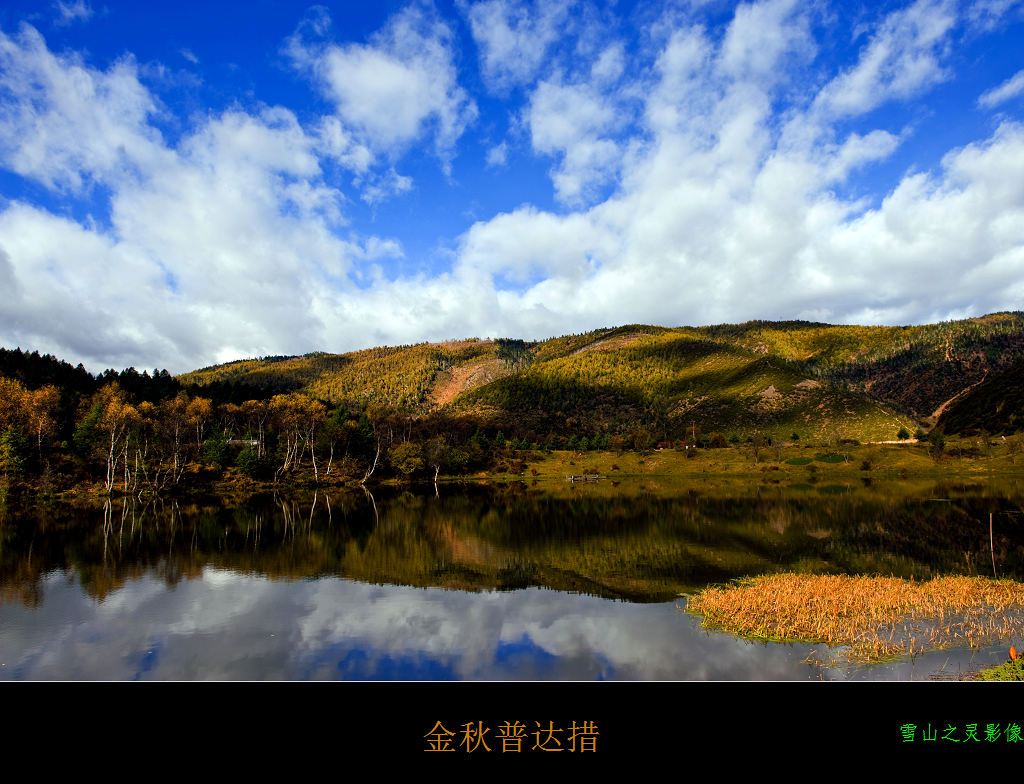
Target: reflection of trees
pixel 639 547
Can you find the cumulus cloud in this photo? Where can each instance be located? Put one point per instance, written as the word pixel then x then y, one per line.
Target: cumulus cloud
pixel 574 122
pixel 903 57
pixel 937 243
pixel 693 184
pixel 396 89
pixel 514 38
pixel 215 247
pixel 725 217
pixel 65 124
pixel 760 35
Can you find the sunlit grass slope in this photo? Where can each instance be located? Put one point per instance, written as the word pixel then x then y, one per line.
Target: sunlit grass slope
pixel 671 379
pixel 914 369
pixel 398 375
pixel 777 378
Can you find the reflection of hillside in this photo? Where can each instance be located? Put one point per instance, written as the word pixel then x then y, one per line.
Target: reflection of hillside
pixel 627 545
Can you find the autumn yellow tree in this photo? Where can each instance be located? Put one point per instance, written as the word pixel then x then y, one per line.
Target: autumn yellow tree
pixel 171 424
pixel 257 412
pixel 199 412
pixel 297 418
pixel 117 418
pixel 14 417
pixel 14 403
pixel 42 410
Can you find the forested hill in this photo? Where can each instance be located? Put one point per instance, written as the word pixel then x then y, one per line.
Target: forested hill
pixel 459 406
pixel 914 369
pixel 776 377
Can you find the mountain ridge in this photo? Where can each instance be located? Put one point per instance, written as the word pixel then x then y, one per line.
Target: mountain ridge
pixel 765 375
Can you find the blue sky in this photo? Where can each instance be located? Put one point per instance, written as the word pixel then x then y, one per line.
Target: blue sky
pixel 183 184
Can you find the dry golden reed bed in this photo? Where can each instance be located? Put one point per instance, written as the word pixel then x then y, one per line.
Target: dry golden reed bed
pixel 875 617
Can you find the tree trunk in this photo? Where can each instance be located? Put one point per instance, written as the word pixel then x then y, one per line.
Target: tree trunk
pixel 373 466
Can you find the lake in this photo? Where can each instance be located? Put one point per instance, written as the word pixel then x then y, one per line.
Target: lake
pixel 470 582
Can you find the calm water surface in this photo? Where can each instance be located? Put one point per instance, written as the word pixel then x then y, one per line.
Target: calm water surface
pixel 472 583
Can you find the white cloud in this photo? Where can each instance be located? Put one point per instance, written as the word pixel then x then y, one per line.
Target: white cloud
pixel 857 151
pixel 722 217
pixel 382 187
pixel 72 12
pixel 937 243
pixel 529 242
pixel 987 15
pixel 610 65
pixel 514 38
pixel 575 122
pixel 337 143
pixel 1011 88
pixel 396 89
pixel 729 195
pixel 216 247
pixel 65 124
pixel 762 34
pixel 903 58
pixel 377 248
pixel 498 155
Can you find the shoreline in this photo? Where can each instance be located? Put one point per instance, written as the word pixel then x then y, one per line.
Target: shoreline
pixel 798 465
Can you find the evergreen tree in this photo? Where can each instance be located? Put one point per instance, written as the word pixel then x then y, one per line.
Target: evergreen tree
pixel 13 451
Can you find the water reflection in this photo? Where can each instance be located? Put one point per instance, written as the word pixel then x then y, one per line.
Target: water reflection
pixel 483 583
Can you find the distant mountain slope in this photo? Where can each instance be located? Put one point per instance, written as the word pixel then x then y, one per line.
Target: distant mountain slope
pixel 398 375
pixel 774 377
pixel 671 381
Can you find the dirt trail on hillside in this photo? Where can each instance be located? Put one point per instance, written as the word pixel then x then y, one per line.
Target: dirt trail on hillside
pixel 934 418
pixel 451 383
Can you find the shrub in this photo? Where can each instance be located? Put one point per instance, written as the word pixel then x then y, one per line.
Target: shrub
pixel 407 458
pixel 13 448
pixel 248 462
pixel 831 457
pixel 215 450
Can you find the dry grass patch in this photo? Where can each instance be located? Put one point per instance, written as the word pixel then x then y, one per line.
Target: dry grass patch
pixel 873 617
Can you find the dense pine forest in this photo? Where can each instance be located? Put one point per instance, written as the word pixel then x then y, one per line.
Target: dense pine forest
pixel 463 406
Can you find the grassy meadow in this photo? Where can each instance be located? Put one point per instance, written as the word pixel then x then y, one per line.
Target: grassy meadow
pixel 789 463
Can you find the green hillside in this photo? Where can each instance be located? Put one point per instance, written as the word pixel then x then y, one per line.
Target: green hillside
pixel 460 407
pixel 398 375
pixel 671 381
pixel 775 378
pixel 912 369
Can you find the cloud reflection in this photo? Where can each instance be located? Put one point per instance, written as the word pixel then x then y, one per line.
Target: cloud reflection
pixel 227 626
